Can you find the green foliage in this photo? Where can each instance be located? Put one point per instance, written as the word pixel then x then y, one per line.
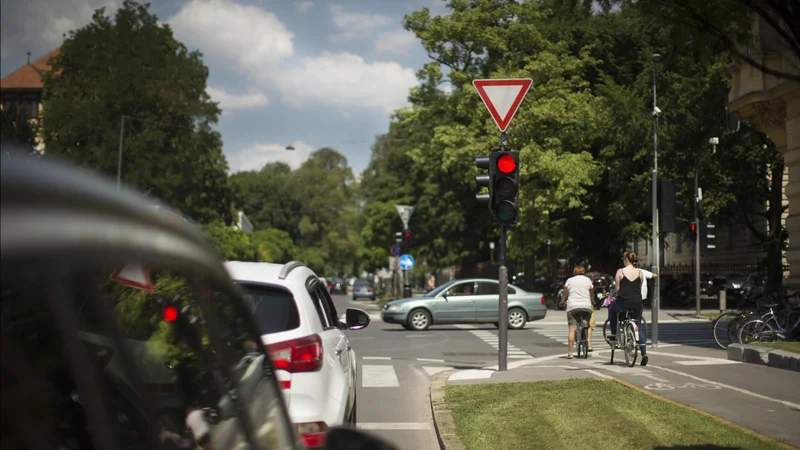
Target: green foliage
pixel 132 67
pixel 16 129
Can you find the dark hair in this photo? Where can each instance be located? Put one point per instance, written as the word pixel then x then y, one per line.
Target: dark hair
pixel 631 257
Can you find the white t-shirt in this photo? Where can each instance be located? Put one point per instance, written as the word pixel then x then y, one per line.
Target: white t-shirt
pixel 197 423
pixel 578 292
pixel 647 275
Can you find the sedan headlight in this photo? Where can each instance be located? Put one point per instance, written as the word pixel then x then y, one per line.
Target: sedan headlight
pixel 392 307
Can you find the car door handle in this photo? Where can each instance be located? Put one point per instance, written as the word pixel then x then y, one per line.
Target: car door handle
pixel 339 352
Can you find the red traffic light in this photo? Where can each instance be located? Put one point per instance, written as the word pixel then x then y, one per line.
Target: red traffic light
pixel 694 227
pixel 170 313
pixel 506 164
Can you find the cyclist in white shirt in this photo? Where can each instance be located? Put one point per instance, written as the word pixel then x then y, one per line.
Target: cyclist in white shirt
pixel 647 275
pixel 578 294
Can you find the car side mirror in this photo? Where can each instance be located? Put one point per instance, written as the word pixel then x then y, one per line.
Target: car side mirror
pixel 342 438
pixel 356 319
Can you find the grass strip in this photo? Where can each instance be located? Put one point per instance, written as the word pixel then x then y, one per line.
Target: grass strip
pixel 582 413
pixel 793 347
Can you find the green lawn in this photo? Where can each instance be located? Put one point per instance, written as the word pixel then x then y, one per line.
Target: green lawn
pixel 793 347
pixel 582 414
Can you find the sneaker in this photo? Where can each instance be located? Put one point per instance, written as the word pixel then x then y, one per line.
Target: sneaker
pixel 590 350
pixel 644 360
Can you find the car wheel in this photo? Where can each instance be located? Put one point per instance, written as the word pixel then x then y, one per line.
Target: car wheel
pixel 516 318
pixel 419 319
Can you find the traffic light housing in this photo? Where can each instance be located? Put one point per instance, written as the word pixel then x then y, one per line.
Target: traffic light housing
pixel 505 187
pixel 406 243
pixel 484 180
pixel 177 315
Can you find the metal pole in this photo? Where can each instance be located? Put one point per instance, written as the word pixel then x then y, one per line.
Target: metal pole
pixel 503 305
pixel 697 236
pixel 119 162
pixel 656 284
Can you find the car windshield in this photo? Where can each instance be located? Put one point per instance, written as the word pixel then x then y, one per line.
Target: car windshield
pixel 275 308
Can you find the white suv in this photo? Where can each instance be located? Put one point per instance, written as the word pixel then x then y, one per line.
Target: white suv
pixel 305 338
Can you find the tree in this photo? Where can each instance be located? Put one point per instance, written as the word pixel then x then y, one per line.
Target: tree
pixel 132 72
pixel 16 129
pixel 269 197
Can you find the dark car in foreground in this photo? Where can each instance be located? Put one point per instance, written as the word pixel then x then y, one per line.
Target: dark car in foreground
pixel 119 320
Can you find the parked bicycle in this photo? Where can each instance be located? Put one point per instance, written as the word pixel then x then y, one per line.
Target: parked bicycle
pixel 772 327
pixel 728 325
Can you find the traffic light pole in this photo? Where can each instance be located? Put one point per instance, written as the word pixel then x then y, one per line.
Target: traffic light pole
pixel 697 237
pixel 503 306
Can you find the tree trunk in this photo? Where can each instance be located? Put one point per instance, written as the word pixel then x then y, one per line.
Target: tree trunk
pixel 775 242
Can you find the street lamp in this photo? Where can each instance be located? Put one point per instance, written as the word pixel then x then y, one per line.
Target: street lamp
pixel 289 147
pixel 491 247
pixel 656 293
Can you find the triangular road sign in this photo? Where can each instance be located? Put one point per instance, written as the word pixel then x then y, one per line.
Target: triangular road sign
pixel 133 275
pixel 502 97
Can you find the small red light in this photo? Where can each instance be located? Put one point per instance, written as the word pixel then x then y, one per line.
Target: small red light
pixel 506 164
pixel 170 313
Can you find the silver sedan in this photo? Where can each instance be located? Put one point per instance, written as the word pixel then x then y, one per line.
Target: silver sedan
pixel 474 300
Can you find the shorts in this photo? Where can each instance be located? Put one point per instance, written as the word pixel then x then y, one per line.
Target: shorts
pixel 574 315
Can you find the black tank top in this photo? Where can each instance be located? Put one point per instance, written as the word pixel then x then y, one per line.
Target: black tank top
pixel 630 291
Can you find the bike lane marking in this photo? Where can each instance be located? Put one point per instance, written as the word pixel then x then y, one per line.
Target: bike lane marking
pixel 733 388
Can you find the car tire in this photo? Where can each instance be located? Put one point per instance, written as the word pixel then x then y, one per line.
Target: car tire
pixel 419 319
pixel 518 317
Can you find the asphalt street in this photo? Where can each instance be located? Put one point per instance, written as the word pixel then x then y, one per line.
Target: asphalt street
pixel 396 367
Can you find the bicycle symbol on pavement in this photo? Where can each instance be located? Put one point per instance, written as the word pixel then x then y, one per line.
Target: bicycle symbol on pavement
pixel 669 387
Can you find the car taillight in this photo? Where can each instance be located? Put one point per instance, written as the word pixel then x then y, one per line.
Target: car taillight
pixel 543 299
pixel 372 289
pixel 313 433
pixel 297 355
pixel 286 384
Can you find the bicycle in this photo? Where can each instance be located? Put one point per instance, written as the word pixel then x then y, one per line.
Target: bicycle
pixel 627 337
pixel 758 330
pixel 582 336
pixel 607 325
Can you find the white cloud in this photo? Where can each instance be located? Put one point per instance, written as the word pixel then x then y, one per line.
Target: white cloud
pixel 227 101
pixel 245 35
pixel 355 25
pixel 255 157
pixel 346 80
pixel 303 7
pixel 398 42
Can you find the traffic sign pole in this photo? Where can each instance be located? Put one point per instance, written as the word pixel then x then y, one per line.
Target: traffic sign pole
pixel 503 306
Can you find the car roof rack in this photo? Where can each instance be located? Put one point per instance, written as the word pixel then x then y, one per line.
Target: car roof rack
pixel 288 267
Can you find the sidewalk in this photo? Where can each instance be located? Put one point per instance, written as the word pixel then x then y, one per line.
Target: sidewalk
pixel 758 398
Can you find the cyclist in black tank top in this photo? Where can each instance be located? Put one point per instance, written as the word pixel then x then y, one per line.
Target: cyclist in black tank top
pixel 629 296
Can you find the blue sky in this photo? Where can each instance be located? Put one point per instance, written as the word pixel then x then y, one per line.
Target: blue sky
pixel 307 73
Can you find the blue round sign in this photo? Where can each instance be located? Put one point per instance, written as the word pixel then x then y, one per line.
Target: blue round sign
pixel 406 262
pixel 395 250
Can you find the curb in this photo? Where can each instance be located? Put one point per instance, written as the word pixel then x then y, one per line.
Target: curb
pixel 690 408
pixel 442 417
pixel 764 356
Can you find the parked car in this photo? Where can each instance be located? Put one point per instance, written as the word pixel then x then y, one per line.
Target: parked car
pixel 338 286
pixel 305 339
pixel 473 300
pixel 119 319
pixel 363 289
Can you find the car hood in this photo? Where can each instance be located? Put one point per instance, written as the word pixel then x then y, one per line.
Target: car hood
pixel 405 301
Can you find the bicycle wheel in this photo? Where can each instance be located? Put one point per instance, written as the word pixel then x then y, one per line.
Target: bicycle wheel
pixel 722 325
pixel 606 331
pixel 583 343
pixel 755 331
pixel 631 346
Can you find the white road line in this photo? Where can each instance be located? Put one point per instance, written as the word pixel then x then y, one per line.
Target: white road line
pixel 707 362
pixel 394 426
pixel 597 374
pixel 376 317
pixel 472 374
pixel 378 376
pixel 420 335
pixel 430 360
pixel 733 388
pixel 381 358
pixel 464 326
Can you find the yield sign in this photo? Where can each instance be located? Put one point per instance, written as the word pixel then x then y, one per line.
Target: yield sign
pixel 502 97
pixel 133 275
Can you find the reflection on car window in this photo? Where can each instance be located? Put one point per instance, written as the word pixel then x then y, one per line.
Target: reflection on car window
pixel 181 375
pixel 275 309
pixel 488 288
pixel 462 289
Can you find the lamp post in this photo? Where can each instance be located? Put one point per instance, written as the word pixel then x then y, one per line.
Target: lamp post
pixel 491 248
pixel 655 244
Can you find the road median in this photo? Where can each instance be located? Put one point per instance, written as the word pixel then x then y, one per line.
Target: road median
pixel 783 357
pixel 576 413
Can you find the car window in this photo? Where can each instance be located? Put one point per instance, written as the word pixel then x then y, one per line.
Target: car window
pixel 488 288
pixel 316 299
pixel 275 308
pixel 167 361
pixel 511 290
pixel 328 306
pixel 462 289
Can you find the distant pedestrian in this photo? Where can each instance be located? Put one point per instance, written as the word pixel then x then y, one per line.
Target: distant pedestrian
pixel 578 294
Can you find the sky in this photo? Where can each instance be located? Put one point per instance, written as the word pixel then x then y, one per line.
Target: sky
pixel 310 73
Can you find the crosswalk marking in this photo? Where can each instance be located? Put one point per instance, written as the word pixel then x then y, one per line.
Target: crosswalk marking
pixel 378 376
pixel 688 333
pixel 433 370
pixel 492 339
